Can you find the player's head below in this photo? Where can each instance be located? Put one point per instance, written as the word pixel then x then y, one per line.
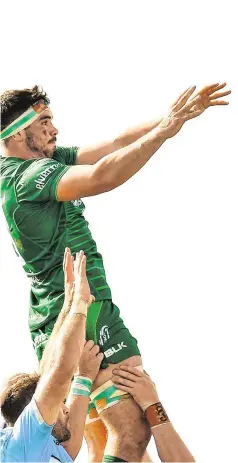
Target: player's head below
pixel 26 123
pixel 17 393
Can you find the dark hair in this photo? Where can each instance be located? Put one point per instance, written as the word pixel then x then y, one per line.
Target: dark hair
pixel 16 102
pixel 18 395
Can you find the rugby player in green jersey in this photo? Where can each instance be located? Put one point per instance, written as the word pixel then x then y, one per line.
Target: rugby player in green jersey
pixel 41 190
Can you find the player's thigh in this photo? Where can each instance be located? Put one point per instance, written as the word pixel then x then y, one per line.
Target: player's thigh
pixel 105 375
pixel 128 427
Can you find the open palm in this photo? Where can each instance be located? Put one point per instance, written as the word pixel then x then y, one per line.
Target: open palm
pixel 208 96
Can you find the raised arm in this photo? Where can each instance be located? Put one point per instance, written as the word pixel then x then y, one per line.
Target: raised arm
pixel 78 401
pixel 68 266
pixel 168 442
pixel 54 384
pixel 92 154
pixel 116 168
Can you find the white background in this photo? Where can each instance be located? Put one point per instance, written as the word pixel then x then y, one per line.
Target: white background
pixel 169 235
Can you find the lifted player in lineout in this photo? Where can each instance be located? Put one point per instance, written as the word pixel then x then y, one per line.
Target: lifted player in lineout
pixel 41 187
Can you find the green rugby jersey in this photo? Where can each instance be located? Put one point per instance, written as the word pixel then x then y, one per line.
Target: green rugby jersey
pixel 41 227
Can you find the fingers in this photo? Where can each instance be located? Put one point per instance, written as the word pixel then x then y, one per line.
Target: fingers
pixel 100 357
pixel 130 369
pixel 215 88
pixel 181 96
pixel 66 253
pixel 88 345
pixel 217 103
pixel 184 98
pixel 124 374
pixel 82 270
pixel 95 349
pixel 122 387
pixel 219 95
pixel 125 382
pixel 77 263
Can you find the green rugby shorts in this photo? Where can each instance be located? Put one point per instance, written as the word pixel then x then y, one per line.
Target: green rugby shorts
pixel 105 327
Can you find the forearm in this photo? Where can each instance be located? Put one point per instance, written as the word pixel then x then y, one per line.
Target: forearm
pixel 134 133
pixel 49 351
pixel 69 343
pixel 170 445
pixel 78 408
pixel 92 154
pixel 118 167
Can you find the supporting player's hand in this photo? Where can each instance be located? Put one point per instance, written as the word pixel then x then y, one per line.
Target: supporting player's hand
pixel 82 289
pixel 184 108
pixel 90 360
pixel 68 266
pixel 138 384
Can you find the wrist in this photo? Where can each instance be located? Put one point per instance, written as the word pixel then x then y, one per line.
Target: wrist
pixel 156 415
pixel 79 306
pixel 81 386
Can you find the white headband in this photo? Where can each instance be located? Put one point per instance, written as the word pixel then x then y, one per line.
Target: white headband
pixel 23 121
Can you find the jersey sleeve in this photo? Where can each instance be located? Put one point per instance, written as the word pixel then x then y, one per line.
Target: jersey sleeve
pixel 66 155
pixel 31 435
pixel 39 181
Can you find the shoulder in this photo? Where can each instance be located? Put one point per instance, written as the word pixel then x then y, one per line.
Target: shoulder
pixel 66 155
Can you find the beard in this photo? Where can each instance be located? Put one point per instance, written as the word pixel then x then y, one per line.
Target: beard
pixel 34 147
pixel 61 432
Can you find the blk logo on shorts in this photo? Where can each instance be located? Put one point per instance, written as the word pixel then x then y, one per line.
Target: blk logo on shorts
pixel 114 350
pixel 104 335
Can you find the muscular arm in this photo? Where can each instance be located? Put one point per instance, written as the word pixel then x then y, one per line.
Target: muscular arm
pixel 89 364
pixel 64 357
pixel 116 168
pixel 54 385
pixel 170 445
pixel 49 352
pixel 111 171
pixel 48 355
pixel 92 154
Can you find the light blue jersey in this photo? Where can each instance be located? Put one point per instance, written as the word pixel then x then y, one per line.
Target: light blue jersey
pixel 31 440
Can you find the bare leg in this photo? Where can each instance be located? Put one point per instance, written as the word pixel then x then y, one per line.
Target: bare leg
pixel 96 437
pixel 128 431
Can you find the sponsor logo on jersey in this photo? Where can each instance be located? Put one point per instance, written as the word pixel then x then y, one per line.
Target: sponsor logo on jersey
pixel 77 202
pixel 104 335
pixel 40 182
pixel 114 350
pixel 39 339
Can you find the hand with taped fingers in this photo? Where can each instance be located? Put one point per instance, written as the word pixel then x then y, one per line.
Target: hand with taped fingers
pixel 184 108
pixel 90 361
pixel 138 384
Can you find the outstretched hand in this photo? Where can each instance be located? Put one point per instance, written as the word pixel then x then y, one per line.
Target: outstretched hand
pixel 82 288
pixel 208 96
pixel 186 108
pixel 75 278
